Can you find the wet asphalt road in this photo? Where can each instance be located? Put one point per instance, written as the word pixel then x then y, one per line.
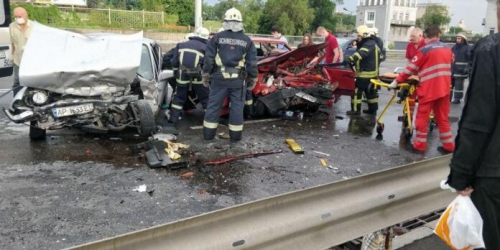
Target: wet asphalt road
pixel 74 187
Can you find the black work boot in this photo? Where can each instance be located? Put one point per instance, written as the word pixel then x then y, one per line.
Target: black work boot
pixel 352 112
pixel 370 112
pixel 170 128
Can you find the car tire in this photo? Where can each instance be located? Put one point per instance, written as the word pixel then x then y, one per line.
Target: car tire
pixel 145 119
pixel 37 133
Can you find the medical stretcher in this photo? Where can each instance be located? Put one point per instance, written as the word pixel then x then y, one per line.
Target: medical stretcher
pixel 405 94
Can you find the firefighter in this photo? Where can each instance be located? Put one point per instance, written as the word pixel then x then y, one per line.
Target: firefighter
pixel 187 62
pixel 433 66
pixel 366 60
pixel 380 44
pixel 459 68
pixel 231 64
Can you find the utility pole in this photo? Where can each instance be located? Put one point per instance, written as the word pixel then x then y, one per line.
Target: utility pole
pixel 198 19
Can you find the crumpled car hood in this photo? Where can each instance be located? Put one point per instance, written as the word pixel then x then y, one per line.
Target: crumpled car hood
pixel 272 63
pixel 70 63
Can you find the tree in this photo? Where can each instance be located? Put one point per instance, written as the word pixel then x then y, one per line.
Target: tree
pixel 323 14
pixel 251 10
pixel 184 9
pixel 293 19
pixel 222 6
pixel 455 30
pixel 434 15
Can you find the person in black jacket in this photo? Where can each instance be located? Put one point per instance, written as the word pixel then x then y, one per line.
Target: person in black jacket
pixel 230 68
pixel 475 165
pixel 459 68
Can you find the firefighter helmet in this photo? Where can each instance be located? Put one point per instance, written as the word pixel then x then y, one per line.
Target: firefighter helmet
pixel 363 31
pixel 202 33
pixel 233 15
pixel 462 35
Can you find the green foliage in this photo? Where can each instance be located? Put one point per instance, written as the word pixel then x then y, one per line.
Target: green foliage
pixel 390 46
pixel 251 10
pixel 152 5
pixel 293 19
pixel 183 8
pixel 323 10
pixel 222 6
pixel 45 14
pixel 434 15
pixel 455 30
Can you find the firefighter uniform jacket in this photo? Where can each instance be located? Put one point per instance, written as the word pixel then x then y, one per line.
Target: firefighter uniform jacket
pixel 229 56
pixel 460 67
pixel 187 60
pixel 477 152
pixel 366 59
pixel 433 66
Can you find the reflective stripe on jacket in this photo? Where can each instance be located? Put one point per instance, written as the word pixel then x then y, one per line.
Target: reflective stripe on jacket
pixel 433 66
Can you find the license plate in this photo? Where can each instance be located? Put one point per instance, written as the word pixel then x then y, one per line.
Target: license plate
pixel 73 110
pixel 306 96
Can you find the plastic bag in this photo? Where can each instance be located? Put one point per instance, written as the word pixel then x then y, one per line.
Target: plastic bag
pixel 460 226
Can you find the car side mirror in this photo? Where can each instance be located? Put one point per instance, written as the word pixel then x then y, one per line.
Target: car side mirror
pixel 165 74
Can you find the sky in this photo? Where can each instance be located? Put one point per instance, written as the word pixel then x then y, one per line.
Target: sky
pixel 471 11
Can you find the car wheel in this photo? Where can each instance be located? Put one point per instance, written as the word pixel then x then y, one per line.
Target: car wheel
pixel 36 133
pixel 144 116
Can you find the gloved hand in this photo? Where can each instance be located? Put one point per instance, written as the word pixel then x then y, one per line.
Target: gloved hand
pixel 205 79
pixel 393 85
pixel 251 82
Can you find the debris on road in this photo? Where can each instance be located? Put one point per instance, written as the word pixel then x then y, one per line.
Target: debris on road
pixel 323 162
pixel 240 157
pixel 294 146
pixel 321 153
pixel 186 175
pixel 162 153
pixel 358 170
pixel 163 137
pixel 224 136
pixel 140 189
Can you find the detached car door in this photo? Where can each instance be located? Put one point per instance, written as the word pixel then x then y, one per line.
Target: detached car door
pixel 5 43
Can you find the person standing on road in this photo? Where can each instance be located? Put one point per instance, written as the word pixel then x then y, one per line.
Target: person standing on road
pixel 187 61
pixel 433 66
pixel 475 165
pixel 366 61
pixel 231 63
pixel 20 31
pixel 417 41
pixel 460 68
pixel 333 54
pixel 276 32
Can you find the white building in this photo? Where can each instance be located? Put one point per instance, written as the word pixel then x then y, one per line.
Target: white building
pixel 393 18
pixel 490 22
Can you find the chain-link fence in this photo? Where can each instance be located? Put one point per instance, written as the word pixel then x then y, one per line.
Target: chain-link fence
pixel 111 18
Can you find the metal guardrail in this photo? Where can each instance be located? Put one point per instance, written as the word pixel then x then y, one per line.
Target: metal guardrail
pixel 315 218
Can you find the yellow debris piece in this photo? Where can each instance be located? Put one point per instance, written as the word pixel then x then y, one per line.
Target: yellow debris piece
pixel 172 148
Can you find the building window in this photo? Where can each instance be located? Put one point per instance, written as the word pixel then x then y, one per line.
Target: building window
pixel 394 15
pixel 401 15
pixel 370 16
pixel 407 16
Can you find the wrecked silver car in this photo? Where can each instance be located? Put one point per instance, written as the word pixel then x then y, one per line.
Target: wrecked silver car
pixel 98 83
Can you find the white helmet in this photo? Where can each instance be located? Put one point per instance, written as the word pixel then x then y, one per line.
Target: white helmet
pixel 233 15
pixel 363 31
pixel 375 31
pixel 462 35
pixel 202 33
pixel 187 36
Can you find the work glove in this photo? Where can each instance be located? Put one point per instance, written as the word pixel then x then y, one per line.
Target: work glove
pixel 205 79
pixel 393 85
pixel 251 82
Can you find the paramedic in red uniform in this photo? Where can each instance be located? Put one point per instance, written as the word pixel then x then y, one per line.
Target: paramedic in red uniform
pixel 433 66
pixel 417 41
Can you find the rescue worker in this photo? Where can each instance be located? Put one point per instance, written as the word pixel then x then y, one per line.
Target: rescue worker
pixel 459 68
pixel 187 62
pixel 475 165
pixel 231 64
pixel 433 66
pixel 380 44
pixel 366 60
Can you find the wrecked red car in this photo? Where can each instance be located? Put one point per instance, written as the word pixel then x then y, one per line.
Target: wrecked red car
pixel 292 81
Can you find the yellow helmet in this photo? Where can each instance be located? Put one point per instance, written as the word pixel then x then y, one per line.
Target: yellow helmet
pixel 363 31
